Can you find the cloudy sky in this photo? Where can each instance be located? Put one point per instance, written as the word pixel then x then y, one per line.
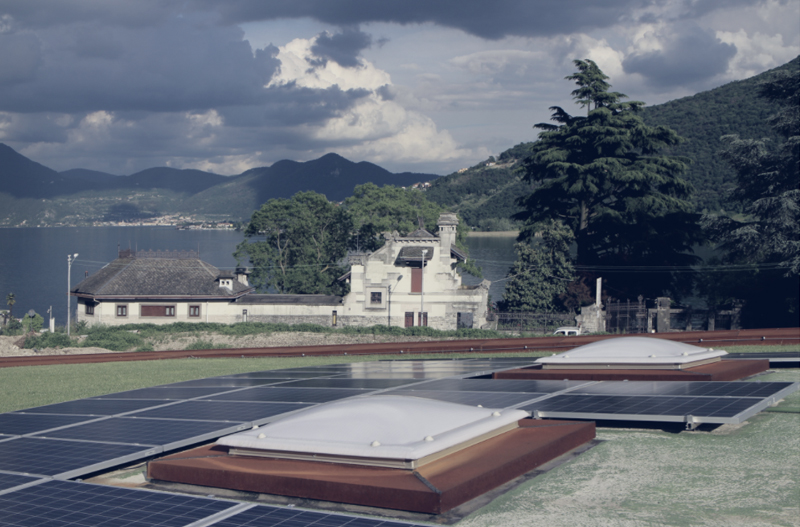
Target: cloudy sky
pixel 413 85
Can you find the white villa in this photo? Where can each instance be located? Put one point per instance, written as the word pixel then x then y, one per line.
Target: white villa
pixel 410 281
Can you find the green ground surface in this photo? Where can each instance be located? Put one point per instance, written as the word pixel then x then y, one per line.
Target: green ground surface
pixel 745 475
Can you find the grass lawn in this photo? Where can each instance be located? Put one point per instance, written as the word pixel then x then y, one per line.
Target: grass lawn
pixel 746 475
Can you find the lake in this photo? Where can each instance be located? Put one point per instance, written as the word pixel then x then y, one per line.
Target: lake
pixel 33 261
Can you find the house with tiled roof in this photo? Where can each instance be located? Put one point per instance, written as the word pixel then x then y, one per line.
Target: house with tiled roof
pixel 410 281
pixel 159 287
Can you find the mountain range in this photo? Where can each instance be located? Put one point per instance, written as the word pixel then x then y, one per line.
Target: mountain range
pixel 33 194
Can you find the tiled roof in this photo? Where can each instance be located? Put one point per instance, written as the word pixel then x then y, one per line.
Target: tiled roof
pixel 420 233
pixel 158 277
pixel 414 253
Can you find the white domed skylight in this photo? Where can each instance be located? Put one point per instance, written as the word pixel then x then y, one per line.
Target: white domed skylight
pixel 632 353
pixel 394 431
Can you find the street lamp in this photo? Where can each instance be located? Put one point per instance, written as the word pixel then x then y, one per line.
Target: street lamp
pixel 389 302
pixel 70 259
pixel 422 288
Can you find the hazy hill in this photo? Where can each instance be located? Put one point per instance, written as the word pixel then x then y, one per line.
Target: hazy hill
pixel 33 194
pixel 485 194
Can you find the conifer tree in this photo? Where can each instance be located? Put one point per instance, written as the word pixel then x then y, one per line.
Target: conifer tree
pixel 604 177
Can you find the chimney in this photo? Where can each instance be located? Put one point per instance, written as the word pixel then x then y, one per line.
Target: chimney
pixel 448 222
pixel 241 276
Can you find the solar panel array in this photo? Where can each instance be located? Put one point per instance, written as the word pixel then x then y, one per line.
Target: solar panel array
pixel 42 448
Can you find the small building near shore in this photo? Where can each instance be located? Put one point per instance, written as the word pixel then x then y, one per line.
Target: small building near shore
pixel 410 281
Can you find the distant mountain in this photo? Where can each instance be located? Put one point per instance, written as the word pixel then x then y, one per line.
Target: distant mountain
pixel 33 194
pixel 485 194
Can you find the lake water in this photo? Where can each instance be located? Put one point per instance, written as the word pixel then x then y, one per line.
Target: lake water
pixel 33 262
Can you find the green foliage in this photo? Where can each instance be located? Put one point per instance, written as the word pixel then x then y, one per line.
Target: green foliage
pixel 735 108
pixel 602 175
pixel 11 299
pixel 32 324
pixel 200 344
pixel 374 210
pixel 115 339
pixel 542 272
pixel 13 327
pixel 768 188
pixel 48 340
pixel 304 239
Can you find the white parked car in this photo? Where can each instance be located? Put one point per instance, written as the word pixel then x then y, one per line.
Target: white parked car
pixel 568 331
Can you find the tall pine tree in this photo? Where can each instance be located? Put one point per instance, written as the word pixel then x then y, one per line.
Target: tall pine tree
pixel 603 176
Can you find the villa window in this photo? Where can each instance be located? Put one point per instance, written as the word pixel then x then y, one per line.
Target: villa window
pixel 158 311
pixel 122 310
pixel 89 309
pixel 375 297
pixel 194 311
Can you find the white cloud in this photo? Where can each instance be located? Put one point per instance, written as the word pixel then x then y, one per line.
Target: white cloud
pixel 756 52
pixel 377 127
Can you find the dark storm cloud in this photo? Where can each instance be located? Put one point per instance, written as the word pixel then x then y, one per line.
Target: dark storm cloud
pixel 342 48
pixel 491 20
pixel 180 64
pixel 691 56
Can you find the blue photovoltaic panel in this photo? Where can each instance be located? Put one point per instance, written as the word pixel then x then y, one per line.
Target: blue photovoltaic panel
pixel 8 481
pixel 216 382
pixel 368 384
pixel 289 395
pixel 141 431
pixel 266 516
pixel 222 410
pixel 167 393
pixel 485 399
pixel 71 504
pixel 20 424
pixel 98 406
pixel 688 388
pixel 273 374
pixel 52 457
pixel 499 385
pixel 661 406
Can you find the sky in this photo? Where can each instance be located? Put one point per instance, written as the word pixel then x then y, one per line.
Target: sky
pixel 412 85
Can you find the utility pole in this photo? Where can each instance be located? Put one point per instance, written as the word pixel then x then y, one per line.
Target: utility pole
pixel 389 303
pixel 422 288
pixel 70 259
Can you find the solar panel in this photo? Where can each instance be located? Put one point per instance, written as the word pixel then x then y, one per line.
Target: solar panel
pixel 20 424
pixel 140 431
pixel 222 410
pixel 647 408
pixel 289 395
pixel 266 516
pixel 67 503
pixel 216 382
pixel 98 406
pixel 9 481
pixel 272 374
pixel 485 399
pixel 50 457
pixel 166 393
pixel 369 384
pixel 689 388
pixel 500 385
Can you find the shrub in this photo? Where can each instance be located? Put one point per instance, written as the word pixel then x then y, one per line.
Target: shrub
pixel 47 340
pixel 13 327
pixel 32 324
pixel 204 345
pixel 112 339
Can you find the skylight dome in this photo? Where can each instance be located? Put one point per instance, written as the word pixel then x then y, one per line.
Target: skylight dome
pixel 633 353
pixel 393 431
